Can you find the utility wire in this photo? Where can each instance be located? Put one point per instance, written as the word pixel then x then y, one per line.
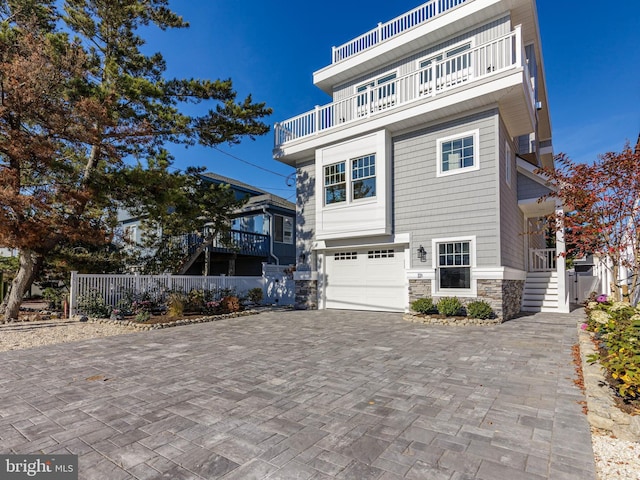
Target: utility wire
pixel 252 164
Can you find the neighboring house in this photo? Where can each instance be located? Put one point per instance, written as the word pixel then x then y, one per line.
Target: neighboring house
pixel 262 231
pixel 418 179
pixel 8 252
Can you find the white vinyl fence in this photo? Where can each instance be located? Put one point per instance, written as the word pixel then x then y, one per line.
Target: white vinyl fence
pixel 581 285
pixel 277 287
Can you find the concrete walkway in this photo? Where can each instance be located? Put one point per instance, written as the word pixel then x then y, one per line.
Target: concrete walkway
pixel 306 395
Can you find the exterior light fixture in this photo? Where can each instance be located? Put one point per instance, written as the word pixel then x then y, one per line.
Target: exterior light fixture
pixel 422 254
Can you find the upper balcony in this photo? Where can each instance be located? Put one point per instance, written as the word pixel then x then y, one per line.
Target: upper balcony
pixel 483 75
pixel 399 25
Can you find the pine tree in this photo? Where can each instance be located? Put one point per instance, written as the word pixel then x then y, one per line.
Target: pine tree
pixel 85 119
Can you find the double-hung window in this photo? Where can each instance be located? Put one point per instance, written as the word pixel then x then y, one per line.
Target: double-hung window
pixel 363 177
pixel 335 184
pixel 361 172
pixel 283 229
pixel 454 265
pixel 458 154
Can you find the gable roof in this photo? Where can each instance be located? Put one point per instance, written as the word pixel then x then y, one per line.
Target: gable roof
pixel 258 197
pixel 235 184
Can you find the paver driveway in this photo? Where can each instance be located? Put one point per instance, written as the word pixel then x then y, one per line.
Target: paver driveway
pixel 306 395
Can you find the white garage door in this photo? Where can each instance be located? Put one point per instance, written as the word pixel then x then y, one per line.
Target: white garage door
pixel 371 279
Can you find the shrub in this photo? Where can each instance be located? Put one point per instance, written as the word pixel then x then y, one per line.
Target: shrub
pixel 143 316
pixel 480 309
pixel 423 305
pixel 176 302
pixel 230 304
pixel 92 304
pixel 212 307
pixel 617 327
pixel 255 295
pixel 195 301
pixel 54 296
pixel 449 306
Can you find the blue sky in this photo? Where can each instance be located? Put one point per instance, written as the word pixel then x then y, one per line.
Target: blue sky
pixel 270 48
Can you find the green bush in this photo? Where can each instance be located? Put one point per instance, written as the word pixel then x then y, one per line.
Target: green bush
pixel 55 297
pixel 449 306
pixel 423 305
pixel 617 328
pixel 92 304
pixel 195 301
pixel 480 309
pixel 143 316
pixel 255 295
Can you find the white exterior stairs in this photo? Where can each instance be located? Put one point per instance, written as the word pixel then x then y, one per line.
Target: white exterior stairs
pixel 540 292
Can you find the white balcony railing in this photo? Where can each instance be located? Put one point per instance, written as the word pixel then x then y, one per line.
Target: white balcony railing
pixel 542 260
pixel 471 65
pixel 393 28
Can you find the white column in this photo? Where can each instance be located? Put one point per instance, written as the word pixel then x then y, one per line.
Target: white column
pixel 318 123
pixel 563 291
pixel 73 294
pixel 519 45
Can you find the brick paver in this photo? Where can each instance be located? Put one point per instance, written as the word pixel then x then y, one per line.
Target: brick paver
pixel 306 395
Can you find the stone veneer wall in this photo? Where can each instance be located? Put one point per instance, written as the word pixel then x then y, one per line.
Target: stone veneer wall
pixel 306 295
pixel 512 292
pixel 419 288
pixel 504 296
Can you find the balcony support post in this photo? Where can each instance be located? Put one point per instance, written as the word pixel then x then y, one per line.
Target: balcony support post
pixel 434 81
pixel 519 46
pixel 318 122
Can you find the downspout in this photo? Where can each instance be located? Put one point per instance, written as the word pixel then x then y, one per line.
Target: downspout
pixel 270 217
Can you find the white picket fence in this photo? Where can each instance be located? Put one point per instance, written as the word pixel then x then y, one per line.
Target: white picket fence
pixel 276 285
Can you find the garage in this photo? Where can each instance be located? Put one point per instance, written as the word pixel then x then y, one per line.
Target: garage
pixel 366 279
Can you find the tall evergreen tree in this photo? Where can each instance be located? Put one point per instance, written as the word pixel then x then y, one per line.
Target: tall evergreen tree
pixel 85 118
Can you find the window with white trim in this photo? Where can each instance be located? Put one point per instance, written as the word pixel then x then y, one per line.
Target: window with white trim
pixel 363 177
pixel 507 163
pixel 362 184
pixel 454 265
pixel 335 184
pixel 283 229
pixel 458 154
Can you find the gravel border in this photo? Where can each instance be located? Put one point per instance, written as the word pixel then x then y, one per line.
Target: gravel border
pixel 615 434
pixel 159 326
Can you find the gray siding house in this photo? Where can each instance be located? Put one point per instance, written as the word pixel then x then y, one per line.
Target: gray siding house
pixel 419 177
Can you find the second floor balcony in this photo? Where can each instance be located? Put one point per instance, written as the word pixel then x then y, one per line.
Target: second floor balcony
pixel 435 78
pixel 232 241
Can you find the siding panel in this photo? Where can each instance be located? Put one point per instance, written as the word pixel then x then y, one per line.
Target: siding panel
pixel 512 227
pixel 528 188
pixel 464 204
pixel 305 210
